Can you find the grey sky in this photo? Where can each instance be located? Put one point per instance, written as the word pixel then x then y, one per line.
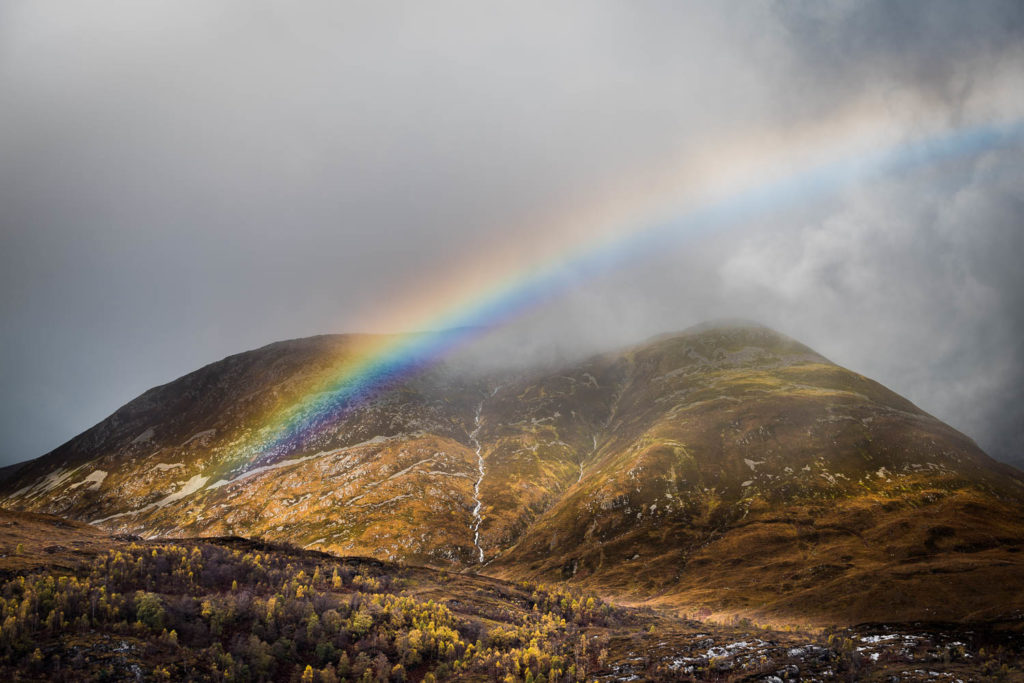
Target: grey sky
pixel 181 181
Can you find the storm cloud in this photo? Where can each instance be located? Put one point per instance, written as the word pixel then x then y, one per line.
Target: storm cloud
pixel 182 181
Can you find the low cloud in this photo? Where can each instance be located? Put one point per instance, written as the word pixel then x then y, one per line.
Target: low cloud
pixel 182 181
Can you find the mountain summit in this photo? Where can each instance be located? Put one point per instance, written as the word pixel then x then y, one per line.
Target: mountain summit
pixel 727 468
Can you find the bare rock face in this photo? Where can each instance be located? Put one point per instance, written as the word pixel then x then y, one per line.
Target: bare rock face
pixel 727 468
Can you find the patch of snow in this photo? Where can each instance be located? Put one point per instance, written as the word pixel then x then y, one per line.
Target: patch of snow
pixel 205 434
pixel 22 490
pixel 47 483
pixel 124 514
pixel 266 468
pixel 808 649
pixel 752 464
pixel 446 474
pixel 56 478
pixel 164 466
pixel 729 649
pixel 379 439
pixel 144 436
pixel 188 488
pixel 94 480
pixel 411 467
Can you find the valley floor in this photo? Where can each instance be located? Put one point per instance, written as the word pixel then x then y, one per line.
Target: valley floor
pixel 78 605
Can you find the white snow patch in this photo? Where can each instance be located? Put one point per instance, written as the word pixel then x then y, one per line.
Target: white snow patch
pixel 188 488
pixel 378 439
pixel 22 490
pixel 730 648
pixel 124 514
pixel 94 480
pixel 205 434
pixel 55 478
pixel 47 483
pixel 412 466
pixel 144 436
pixel 164 466
pixel 266 468
pixel 752 464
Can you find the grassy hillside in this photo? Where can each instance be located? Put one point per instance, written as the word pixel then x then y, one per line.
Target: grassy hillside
pixel 739 473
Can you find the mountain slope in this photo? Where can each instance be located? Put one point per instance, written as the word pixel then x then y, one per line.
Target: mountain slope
pixel 726 469
pixel 177 460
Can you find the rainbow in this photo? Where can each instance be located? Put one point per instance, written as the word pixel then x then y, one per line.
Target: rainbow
pixel 783 179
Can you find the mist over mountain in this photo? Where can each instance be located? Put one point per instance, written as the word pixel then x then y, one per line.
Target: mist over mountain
pixel 179 181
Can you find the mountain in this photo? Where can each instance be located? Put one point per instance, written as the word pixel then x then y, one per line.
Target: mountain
pixel 725 470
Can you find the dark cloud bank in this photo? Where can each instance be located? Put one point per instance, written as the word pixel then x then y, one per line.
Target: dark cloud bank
pixel 181 181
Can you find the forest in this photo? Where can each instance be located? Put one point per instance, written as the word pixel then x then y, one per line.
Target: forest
pixel 249 611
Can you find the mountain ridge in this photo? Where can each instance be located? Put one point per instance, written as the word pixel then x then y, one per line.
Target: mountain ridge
pixel 718 451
